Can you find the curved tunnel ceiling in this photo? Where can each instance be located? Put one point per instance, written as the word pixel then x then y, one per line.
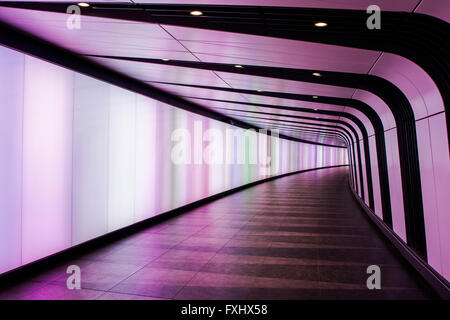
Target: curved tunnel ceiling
pixel 325 80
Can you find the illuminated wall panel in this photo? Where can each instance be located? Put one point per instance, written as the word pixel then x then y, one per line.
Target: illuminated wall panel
pixel 375 177
pixel 441 163
pixel 179 174
pixel 122 161
pixel 364 172
pixel 11 107
pixel 164 163
pixel 47 159
pixel 90 159
pixel 357 172
pixel 395 183
pixel 146 153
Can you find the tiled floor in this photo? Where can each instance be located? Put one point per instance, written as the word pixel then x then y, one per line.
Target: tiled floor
pixel 298 237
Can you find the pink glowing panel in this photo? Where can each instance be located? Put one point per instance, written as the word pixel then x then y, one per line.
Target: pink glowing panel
pixel 198 171
pixel 364 172
pixel 180 173
pixel 47 159
pixel 395 183
pixel 233 48
pixel 378 105
pixel 427 177
pixel 11 113
pixel 414 82
pixel 163 162
pixel 437 8
pixel 375 178
pixel 146 153
pixel 90 159
pixel 214 145
pixel 122 158
pixel 99 35
pixel 441 163
pixel 388 5
pixel 357 175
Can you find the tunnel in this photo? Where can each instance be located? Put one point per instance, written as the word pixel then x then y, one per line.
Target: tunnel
pixel 224 150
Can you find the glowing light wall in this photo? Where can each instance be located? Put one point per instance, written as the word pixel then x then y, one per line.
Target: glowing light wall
pixel 81 158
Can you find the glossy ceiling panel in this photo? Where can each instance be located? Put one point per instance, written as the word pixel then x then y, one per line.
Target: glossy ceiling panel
pixel 363 118
pixel 376 103
pixel 99 35
pixel 234 48
pixel 437 8
pixel 415 83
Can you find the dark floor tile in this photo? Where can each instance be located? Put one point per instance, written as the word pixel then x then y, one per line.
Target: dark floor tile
pixel 391 277
pixel 213 293
pixel 233 268
pixel 154 290
pixel 297 272
pixel 177 265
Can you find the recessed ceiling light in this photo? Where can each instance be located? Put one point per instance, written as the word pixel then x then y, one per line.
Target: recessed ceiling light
pixel 196 13
pixel 83 4
pixel 314 97
pixel 259 90
pixel 320 24
pixel 238 66
pixel 317 74
pixel 165 59
pixel 316 109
